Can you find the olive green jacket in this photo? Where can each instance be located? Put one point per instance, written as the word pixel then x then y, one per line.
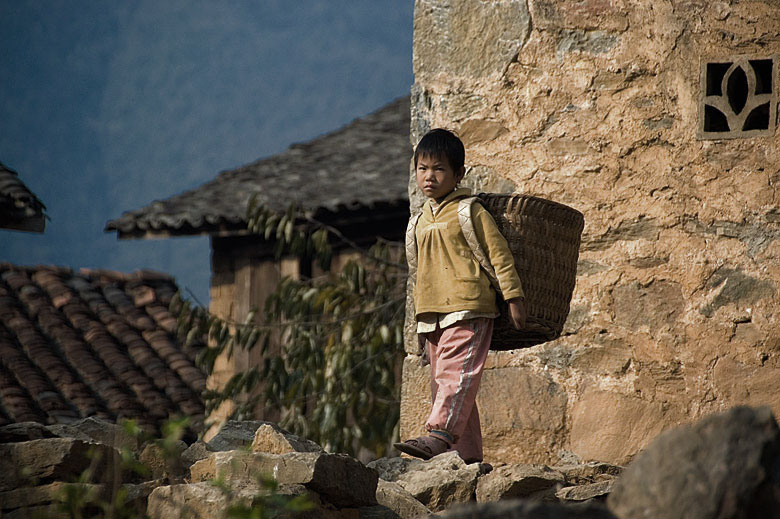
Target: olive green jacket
pixel 449 277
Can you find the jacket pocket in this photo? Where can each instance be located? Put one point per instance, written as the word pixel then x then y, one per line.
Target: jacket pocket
pixel 467 289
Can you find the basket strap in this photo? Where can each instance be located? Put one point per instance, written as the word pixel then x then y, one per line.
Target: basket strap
pixel 411 247
pixel 467 226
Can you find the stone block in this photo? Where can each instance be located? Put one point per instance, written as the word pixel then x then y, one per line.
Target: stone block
pixel 26 497
pixel 235 434
pixel 611 426
pixel 37 498
pixel 272 439
pixel 164 462
pixel 415 397
pixel 523 414
pixel 537 482
pixel 442 481
pixel 585 473
pixel 52 459
pixel 597 490
pixel 396 498
pixel 37 512
pixel 523 509
pixel 193 500
pixel 23 432
pixel 97 430
pixel 725 465
pixel 338 478
pixel 197 451
pixel 390 469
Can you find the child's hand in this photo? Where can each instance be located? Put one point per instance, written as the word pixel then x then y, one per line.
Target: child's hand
pixel 517 312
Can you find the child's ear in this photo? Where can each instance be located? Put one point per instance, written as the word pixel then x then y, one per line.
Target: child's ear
pixel 460 174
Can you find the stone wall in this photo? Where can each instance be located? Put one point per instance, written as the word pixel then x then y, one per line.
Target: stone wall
pixel 595 104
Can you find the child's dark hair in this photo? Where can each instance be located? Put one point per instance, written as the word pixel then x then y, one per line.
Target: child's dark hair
pixel 441 143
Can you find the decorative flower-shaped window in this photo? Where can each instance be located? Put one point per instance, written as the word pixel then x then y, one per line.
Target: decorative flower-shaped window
pixel 738 98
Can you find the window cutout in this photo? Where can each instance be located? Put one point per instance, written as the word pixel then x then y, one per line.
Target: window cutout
pixel 714 120
pixel 738 98
pixel 737 90
pixel 764 73
pixel 758 119
pixel 715 73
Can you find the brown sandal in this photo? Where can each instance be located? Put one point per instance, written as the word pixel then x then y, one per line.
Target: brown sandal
pixel 424 447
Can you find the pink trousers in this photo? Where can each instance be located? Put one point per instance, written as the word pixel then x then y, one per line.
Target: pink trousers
pixel 457 355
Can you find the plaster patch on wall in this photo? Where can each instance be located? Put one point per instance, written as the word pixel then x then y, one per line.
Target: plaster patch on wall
pixel 756 236
pixel 482 179
pixel 641 228
pixel 592 42
pixel 731 286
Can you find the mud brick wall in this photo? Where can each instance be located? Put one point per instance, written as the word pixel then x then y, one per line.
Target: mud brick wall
pixel 598 104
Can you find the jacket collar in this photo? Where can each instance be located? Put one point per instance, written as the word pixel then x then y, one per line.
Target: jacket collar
pixel 455 194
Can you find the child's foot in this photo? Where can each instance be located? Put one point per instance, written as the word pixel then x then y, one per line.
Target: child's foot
pixel 425 447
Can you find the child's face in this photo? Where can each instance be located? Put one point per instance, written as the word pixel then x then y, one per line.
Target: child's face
pixel 435 177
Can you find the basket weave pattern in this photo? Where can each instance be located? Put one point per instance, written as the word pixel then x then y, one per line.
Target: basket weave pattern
pixel 544 238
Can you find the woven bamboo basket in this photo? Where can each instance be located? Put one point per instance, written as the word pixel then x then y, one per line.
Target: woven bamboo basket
pixel 544 238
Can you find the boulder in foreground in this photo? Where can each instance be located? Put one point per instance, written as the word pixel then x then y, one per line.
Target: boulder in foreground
pixel 726 465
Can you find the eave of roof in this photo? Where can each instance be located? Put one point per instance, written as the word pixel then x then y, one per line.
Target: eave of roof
pixel 362 164
pixel 20 209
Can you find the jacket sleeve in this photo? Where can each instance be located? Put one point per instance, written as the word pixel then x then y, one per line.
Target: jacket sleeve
pixel 498 253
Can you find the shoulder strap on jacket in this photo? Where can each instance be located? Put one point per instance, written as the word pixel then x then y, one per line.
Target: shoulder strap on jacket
pixel 411 247
pixel 467 226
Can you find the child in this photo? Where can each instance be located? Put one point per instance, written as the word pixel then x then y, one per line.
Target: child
pixel 455 303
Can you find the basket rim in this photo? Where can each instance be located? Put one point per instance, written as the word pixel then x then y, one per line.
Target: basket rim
pixel 522 196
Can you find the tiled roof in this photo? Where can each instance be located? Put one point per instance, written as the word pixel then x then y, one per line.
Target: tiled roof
pixel 20 209
pixel 364 164
pixel 92 343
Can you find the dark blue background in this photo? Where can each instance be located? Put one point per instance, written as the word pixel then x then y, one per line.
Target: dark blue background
pixel 106 106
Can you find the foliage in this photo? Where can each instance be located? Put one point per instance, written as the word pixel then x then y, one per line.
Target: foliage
pixel 110 500
pixel 332 345
pixel 267 504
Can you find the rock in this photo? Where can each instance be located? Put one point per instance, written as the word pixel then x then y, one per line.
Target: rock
pixel 52 459
pixel 367 512
pixel 519 481
pixel 203 500
pixel 585 492
pixel 338 478
pixel 97 430
pixel 164 462
pixel 522 509
pixel 585 473
pixel 442 481
pixel 235 434
pixel 40 497
pixel 194 501
pixel 43 511
pixel 390 469
pixel 395 497
pixel 725 465
pixel 23 432
pixel 608 425
pixel 273 439
pixel 197 451
pixel 137 495
pixel 30 496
